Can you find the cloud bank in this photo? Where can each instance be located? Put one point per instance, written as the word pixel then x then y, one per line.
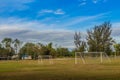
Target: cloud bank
pixel 40 31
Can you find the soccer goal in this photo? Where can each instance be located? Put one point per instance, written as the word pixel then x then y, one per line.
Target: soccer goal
pixel 45 59
pixel 91 57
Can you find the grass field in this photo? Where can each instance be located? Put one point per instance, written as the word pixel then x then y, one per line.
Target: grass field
pixel 61 69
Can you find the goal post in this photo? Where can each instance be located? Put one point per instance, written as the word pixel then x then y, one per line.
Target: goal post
pixel 76 58
pixel 41 59
pixel 83 56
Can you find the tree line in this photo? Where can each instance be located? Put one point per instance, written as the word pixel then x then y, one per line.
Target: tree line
pixel 97 39
pixel 10 47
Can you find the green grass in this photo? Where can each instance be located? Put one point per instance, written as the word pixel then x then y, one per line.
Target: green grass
pixel 59 70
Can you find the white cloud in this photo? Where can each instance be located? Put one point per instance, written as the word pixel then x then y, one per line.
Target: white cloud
pixel 57 12
pixel 95 1
pixel 79 19
pixel 27 31
pixel 62 38
pixel 82 2
pixel 85 2
pixel 11 5
pixel 23 23
pixel 46 11
pixel 116 29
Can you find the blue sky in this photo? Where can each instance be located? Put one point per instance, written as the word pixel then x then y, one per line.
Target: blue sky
pixel 56 20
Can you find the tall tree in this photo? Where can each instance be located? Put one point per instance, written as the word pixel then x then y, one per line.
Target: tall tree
pixel 99 38
pixel 79 43
pixel 77 40
pixel 28 49
pixel 17 44
pixel 7 42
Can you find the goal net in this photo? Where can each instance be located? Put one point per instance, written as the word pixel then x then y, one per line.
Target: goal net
pixel 91 57
pixel 45 59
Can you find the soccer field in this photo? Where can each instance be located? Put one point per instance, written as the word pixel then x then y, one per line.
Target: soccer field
pixel 61 69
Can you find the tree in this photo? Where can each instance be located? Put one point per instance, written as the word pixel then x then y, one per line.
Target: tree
pixel 62 52
pixel 17 44
pixel 28 49
pixel 48 50
pixel 7 45
pixel 51 50
pixel 77 40
pixel 117 48
pixel 33 50
pixel 79 43
pixel 7 42
pixel 99 38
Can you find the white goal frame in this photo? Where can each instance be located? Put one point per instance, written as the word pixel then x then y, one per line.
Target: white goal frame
pixel 83 60
pixel 40 58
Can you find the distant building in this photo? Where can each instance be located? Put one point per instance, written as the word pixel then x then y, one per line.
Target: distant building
pixel 5 58
pixel 16 56
pixel 25 57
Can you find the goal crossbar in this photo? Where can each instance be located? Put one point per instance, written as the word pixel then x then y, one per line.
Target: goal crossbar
pixel 83 59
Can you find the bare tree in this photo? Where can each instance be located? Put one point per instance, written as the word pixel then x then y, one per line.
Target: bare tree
pixel 79 43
